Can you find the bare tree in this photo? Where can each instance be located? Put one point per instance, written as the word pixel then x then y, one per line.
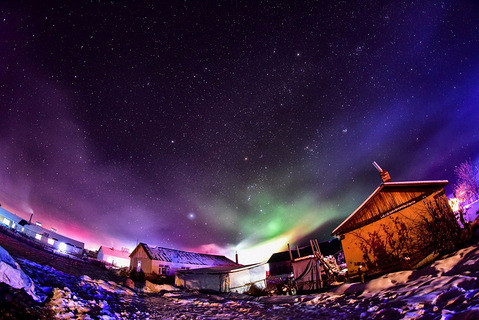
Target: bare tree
pixel 403 241
pixel 467 187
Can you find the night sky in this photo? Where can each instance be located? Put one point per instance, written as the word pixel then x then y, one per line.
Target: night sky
pixel 227 125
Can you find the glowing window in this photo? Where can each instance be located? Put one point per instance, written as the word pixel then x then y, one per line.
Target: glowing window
pixel 51 242
pixel 62 247
pixel 6 221
pixel 38 236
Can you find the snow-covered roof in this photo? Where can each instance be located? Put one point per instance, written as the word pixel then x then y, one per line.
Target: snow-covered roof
pixel 185 257
pixel 387 186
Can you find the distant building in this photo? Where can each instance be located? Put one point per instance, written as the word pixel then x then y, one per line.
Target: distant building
pixel 397 226
pixel 166 261
pixel 280 262
pixel 237 278
pixel 115 257
pixel 48 238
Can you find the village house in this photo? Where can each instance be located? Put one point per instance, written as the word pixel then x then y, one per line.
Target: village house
pixel 114 257
pixel 397 227
pixel 239 279
pixel 166 261
pixel 49 238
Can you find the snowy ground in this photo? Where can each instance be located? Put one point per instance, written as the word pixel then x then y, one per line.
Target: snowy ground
pixel 447 289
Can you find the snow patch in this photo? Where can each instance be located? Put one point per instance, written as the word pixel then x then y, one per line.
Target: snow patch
pixel 12 275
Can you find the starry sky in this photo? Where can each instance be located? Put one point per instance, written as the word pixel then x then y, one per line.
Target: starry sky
pixel 226 125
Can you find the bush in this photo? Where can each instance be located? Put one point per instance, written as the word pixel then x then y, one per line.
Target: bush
pixel 256 292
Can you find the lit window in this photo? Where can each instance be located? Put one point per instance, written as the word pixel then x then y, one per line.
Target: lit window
pixel 38 236
pixel 62 247
pixel 51 242
pixel 6 221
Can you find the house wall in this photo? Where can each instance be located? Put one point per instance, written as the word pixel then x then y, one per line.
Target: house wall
pixel 241 281
pixel 139 255
pixel 201 281
pixel 234 281
pixel 355 241
pixel 280 268
pixel 173 267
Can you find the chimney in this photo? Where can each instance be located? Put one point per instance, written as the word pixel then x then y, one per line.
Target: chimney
pixel 236 257
pixel 30 221
pixel 384 174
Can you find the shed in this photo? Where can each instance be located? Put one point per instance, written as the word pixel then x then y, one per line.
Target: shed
pixel 280 262
pixel 237 279
pixel 397 226
pixel 166 261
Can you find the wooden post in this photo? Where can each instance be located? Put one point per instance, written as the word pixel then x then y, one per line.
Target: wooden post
pixel 297 250
pixel 290 254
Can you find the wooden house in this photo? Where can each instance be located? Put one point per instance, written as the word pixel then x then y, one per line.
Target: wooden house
pixel 397 226
pixel 166 261
pixel 237 278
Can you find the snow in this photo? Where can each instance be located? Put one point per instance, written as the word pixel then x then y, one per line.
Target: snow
pixel 12 275
pixel 446 289
pixel 471 211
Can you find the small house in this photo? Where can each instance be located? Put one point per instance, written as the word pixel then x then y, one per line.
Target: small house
pixel 166 261
pixel 237 279
pixel 397 226
pixel 114 257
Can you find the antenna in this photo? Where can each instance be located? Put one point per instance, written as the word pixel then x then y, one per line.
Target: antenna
pixel 376 165
pixel 384 174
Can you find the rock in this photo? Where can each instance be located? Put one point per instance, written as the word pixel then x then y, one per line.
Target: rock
pixel 130 284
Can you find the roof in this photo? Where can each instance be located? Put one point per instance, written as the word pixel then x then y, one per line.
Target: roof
pixel 411 192
pixel 221 270
pixel 185 257
pixel 112 252
pixel 327 248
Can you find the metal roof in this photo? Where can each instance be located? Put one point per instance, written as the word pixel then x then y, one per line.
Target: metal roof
pixel 185 257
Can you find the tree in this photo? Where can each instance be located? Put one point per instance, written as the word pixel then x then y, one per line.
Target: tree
pixel 467 187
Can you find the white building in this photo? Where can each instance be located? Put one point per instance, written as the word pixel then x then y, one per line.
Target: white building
pixel 115 257
pixel 56 241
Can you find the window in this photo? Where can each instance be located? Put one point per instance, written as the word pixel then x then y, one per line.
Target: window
pixel 6 221
pixel 51 242
pixel 163 270
pixel 62 247
pixel 38 236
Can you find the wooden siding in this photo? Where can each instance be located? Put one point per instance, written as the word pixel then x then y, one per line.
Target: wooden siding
pixel 385 202
pixel 409 215
pixel 139 254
